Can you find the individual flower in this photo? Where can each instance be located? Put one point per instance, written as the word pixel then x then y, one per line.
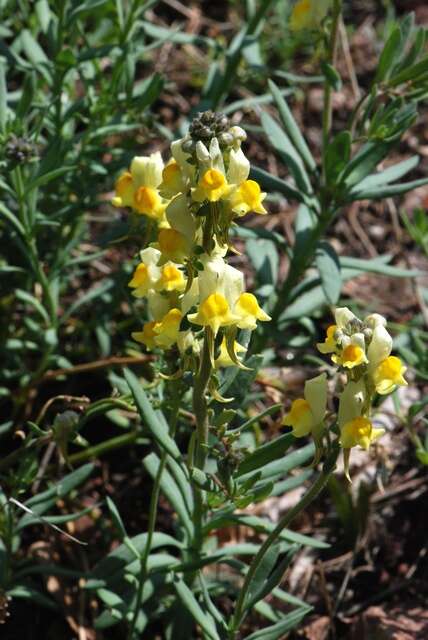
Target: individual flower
pixel 330 344
pixel 173 181
pixel 248 311
pixel 353 401
pixel 379 348
pixel 353 355
pixel 167 330
pixel 307 414
pixel 138 188
pixel 213 312
pixel 224 359
pixel 359 432
pixel 388 375
pixel 172 245
pixel 247 197
pixel 171 278
pixel 212 186
pixel 146 274
pixel 146 336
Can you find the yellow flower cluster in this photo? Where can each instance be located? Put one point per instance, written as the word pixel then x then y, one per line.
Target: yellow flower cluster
pixel 362 350
pixel 184 275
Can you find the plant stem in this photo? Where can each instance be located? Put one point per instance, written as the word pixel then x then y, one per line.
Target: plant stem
pixel 286 519
pixel 331 55
pixel 200 406
pixel 175 392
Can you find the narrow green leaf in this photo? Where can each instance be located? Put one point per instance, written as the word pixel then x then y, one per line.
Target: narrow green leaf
pixel 272 580
pixel 332 76
pixel 171 491
pixel 203 618
pixel 378 265
pixel 82 8
pixel 115 516
pixel 365 160
pixel 150 417
pixel 292 127
pixel 266 453
pixel 43 179
pixel 413 73
pixel 391 51
pixel 33 50
pixel 12 219
pixel 395 172
pixel 123 555
pixel 261 575
pixel 387 191
pixel 280 629
pixel 87 297
pixel 273 183
pixel 62 488
pixel 328 266
pixel 282 144
pixel 26 297
pixel 35 597
pixel 337 156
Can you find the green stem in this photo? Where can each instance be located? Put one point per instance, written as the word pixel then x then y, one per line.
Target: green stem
pixel 331 55
pixel 200 406
pixel 175 389
pixel 286 519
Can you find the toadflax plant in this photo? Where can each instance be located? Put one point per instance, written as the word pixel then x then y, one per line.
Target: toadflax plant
pixel 199 322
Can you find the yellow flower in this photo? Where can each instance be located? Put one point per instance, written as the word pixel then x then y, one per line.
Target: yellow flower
pixel 213 312
pixel 140 280
pixel 307 414
pixel 299 417
pixel 359 432
pixel 247 197
pixel 171 279
pixel 389 374
pixel 248 311
pixel 124 191
pixel 351 356
pixel 308 14
pixel 147 273
pixel 148 202
pixel 212 186
pixel 224 359
pixel 146 336
pixel 172 180
pixel 167 330
pixel 329 344
pixel 173 245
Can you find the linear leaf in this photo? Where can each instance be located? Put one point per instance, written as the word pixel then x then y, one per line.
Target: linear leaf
pixel 171 490
pixel 292 127
pixel 278 630
pixel 273 183
pixel 387 191
pixel 391 174
pixel 265 454
pixel 152 419
pixel 203 618
pixel 328 266
pixel 282 144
